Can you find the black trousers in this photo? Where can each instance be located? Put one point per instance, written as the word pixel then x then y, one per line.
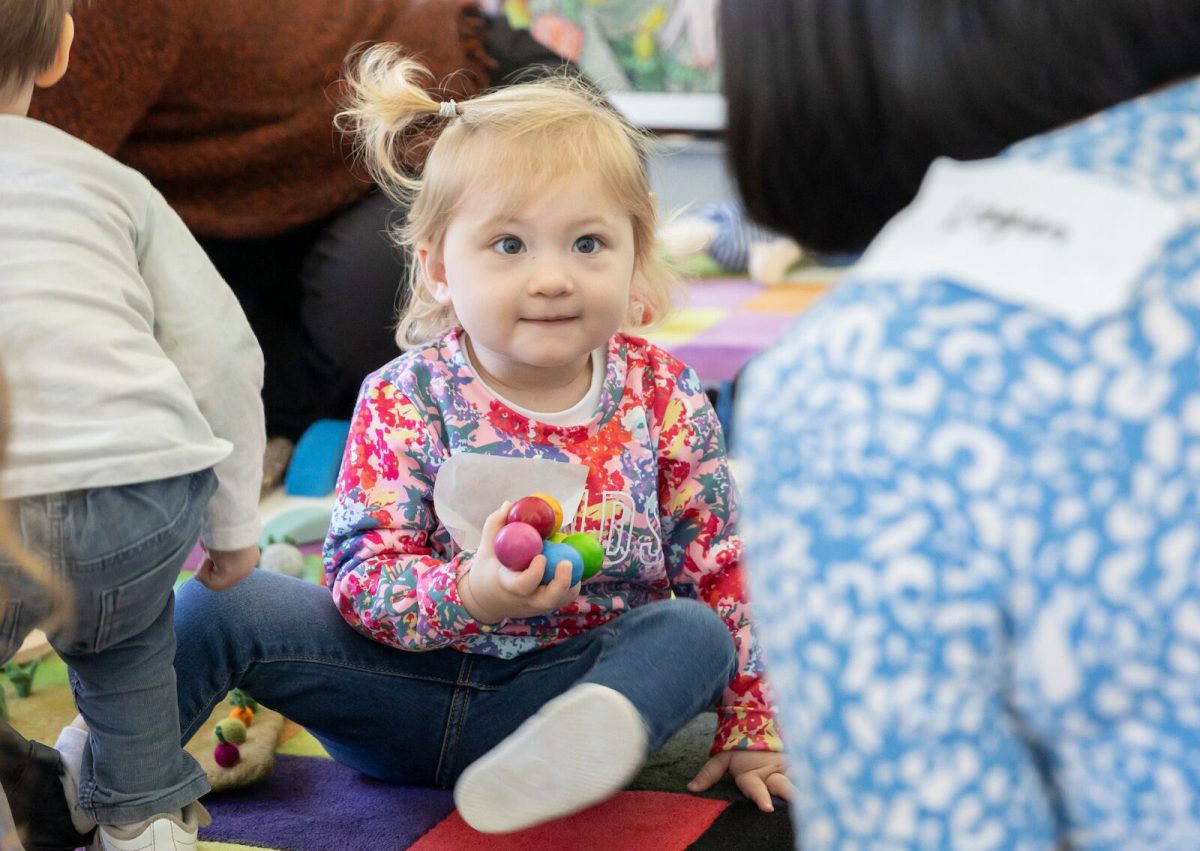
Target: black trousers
pixel 322 300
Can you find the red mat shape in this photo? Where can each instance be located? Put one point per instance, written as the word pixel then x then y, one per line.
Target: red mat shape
pixel 631 821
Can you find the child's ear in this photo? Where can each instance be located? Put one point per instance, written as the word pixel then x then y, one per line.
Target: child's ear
pixel 62 56
pixel 637 314
pixel 433 271
pixel 640 312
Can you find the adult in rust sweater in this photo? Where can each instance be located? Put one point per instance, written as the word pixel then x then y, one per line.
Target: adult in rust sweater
pixel 227 107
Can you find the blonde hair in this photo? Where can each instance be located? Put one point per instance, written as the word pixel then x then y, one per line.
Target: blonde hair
pixel 29 34
pixel 11 548
pixel 539 130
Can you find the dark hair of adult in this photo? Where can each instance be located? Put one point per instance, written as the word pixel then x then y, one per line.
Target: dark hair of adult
pixel 837 107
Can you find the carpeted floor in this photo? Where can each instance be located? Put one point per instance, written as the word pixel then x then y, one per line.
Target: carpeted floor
pixel 310 803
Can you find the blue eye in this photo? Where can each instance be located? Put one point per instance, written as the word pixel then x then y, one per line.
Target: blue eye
pixel 508 245
pixel 587 244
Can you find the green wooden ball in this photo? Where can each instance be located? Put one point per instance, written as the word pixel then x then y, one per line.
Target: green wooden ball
pixel 589 548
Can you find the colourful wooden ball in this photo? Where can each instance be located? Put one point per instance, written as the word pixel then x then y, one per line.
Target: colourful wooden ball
pixel 516 545
pixel 556 553
pixel 555 506
pixel 537 513
pixel 557 537
pixel 589 549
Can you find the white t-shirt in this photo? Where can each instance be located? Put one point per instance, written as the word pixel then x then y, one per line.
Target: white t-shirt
pixel 578 414
pixel 128 358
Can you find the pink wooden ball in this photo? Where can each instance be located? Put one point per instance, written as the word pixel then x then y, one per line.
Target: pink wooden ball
pixel 517 544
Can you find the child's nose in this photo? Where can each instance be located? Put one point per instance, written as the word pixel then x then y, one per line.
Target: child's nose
pixel 551 276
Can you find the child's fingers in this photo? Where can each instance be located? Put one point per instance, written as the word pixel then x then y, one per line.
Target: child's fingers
pixel 556 593
pixel 561 588
pixel 524 582
pixel 204 574
pixel 753 787
pixel 562 576
pixel 491 527
pixel 780 786
pixel 709 773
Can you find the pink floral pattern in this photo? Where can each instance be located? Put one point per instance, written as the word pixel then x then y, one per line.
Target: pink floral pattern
pixel 658 494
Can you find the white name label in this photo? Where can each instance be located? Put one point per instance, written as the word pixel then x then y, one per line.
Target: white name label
pixel 1065 243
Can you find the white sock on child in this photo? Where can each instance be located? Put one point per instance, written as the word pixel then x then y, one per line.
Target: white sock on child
pixel 70 745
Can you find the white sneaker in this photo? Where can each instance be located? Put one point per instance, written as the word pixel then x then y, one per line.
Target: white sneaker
pixel 579 749
pixel 161 833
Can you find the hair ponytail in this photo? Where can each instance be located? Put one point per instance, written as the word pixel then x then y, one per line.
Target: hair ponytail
pixel 510 141
pixel 385 103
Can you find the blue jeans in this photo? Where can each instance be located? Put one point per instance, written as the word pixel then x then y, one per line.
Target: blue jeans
pixel 119 551
pixel 421 718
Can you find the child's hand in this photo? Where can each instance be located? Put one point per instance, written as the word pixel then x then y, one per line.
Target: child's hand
pixel 223 569
pixel 758 774
pixel 491 592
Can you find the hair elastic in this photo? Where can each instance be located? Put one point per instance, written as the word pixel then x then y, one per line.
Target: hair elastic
pixel 448 109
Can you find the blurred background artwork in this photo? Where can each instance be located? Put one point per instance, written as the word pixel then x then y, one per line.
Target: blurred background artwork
pixel 629 45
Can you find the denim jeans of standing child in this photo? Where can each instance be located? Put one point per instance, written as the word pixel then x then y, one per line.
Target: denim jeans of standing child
pixel 119 551
pixel 421 718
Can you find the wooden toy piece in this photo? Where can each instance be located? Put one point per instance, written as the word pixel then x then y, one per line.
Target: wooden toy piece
pixel 517 544
pixel 536 512
pixel 556 506
pixel 589 549
pixel 556 553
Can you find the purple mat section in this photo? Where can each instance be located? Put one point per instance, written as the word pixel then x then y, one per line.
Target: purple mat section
pixel 715 364
pixel 742 329
pixel 720 292
pixel 314 804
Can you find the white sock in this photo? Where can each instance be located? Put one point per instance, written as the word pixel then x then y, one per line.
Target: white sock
pixel 71 743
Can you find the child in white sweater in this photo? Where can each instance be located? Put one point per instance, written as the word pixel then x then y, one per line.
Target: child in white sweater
pixel 136 428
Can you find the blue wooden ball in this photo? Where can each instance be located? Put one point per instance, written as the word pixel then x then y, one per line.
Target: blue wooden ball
pixel 555 553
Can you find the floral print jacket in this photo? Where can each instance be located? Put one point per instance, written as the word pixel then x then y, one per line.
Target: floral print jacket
pixel 658 495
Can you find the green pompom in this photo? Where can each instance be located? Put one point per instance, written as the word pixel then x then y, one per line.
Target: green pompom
pixel 231 730
pixel 237 697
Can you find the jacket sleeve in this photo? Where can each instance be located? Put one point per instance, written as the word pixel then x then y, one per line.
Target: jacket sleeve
pixel 388 562
pixel 704 553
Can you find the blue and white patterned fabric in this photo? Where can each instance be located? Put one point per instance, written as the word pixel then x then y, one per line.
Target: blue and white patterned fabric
pixel 730 247
pixel 974 542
